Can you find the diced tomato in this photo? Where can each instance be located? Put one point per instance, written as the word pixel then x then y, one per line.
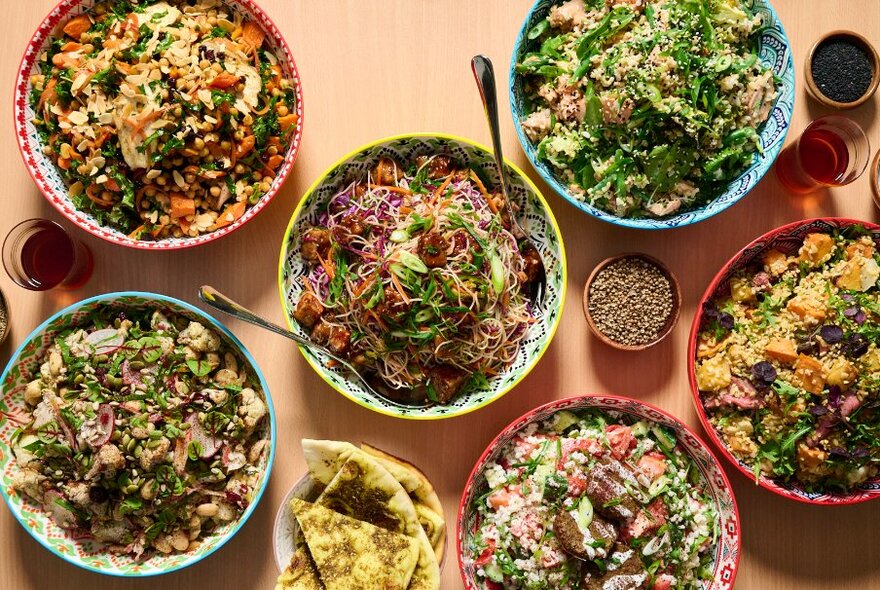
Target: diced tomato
pixel 653 464
pixel 486 556
pixel 584 445
pixel 646 521
pixel 663 582
pixel 490 585
pixel 621 440
pixel 502 498
pixel 576 486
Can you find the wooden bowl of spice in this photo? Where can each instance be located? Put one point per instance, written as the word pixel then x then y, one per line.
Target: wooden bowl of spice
pixel 631 301
pixel 842 70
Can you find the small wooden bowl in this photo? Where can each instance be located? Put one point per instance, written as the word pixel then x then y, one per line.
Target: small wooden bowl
pixel 875 179
pixel 855 39
pixel 670 322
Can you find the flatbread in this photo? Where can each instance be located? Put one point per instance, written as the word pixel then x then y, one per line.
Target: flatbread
pixel 351 554
pixel 425 498
pixel 434 527
pixel 324 458
pixel 423 491
pixel 363 489
pixel 301 574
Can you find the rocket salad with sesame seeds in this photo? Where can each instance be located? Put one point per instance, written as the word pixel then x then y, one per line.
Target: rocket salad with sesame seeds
pixel 646 108
pixel 166 118
pixel 594 500
pixel 144 433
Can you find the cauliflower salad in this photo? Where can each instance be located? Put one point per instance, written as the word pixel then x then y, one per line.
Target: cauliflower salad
pixel 145 432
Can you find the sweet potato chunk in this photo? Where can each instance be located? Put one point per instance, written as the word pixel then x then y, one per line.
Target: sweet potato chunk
pixel 782 350
pixel 807 308
pixel 775 262
pixel 817 249
pixel 810 374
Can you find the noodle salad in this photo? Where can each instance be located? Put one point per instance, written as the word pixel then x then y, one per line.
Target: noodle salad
pixel 416 277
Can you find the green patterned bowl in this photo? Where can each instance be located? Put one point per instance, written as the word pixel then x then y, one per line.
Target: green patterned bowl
pixel 85 552
pixel 536 216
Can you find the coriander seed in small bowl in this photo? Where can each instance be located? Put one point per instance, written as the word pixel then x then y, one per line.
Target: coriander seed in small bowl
pixel 631 301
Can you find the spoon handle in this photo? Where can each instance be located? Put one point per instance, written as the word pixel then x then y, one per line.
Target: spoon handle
pixel 218 300
pixel 484 73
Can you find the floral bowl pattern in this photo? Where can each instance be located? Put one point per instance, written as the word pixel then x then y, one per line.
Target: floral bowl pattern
pixel 45 172
pixel 727 553
pixel 775 52
pixel 534 212
pixel 85 552
pixel 787 239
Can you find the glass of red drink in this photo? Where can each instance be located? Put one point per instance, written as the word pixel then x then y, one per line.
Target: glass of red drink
pixel 39 255
pixel 832 151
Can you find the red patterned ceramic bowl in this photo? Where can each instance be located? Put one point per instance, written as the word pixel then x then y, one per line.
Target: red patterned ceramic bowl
pixel 727 550
pixel 788 240
pixel 45 172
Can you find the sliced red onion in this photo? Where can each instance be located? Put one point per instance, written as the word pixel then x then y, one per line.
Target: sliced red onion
pixel 106 341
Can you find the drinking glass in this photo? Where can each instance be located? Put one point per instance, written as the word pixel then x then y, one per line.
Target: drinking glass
pixel 39 255
pixel 832 151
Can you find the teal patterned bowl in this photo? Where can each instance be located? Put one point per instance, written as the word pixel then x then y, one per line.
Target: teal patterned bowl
pixel 83 552
pixel 536 216
pixel 774 52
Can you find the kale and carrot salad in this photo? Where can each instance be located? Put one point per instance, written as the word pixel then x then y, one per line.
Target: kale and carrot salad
pixel 165 118
pixel 646 108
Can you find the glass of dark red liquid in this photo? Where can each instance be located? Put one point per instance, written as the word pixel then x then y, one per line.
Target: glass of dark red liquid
pixel 832 151
pixel 39 255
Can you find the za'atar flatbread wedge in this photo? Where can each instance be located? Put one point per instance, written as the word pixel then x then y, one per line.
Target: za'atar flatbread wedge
pixel 301 574
pixel 351 554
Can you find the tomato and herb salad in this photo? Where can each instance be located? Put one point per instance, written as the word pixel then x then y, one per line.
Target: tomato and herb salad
pixel 594 500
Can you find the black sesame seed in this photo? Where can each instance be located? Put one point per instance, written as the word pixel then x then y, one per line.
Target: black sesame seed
pixel 842 70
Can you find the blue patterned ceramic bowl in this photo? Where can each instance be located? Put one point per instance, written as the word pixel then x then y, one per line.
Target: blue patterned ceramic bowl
pixel 86 552
pixel 537 219
pixel 775 52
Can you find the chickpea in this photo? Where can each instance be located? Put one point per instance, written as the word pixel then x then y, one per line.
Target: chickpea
pixel 282 110
pixel 239 169
pixel 215 191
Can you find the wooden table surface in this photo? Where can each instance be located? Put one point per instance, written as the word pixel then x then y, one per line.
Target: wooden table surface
pixel 376 68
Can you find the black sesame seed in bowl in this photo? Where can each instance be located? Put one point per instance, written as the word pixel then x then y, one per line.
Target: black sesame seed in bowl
pixel 631 301
pixel 842 70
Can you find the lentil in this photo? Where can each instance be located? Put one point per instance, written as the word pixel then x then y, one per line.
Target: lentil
pixel 630 301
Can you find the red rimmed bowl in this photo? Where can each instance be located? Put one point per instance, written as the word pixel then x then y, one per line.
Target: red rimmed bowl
pixel 45 172
pixel 788 240
pixel 727 551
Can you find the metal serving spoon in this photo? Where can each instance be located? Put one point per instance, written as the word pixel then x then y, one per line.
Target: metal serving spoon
pixel 218 300
pixel 484 74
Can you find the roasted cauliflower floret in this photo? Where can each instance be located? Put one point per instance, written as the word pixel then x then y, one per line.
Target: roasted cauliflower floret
pixel 199 338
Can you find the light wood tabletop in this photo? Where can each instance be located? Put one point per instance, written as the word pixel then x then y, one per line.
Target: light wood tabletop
pixel 381 67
